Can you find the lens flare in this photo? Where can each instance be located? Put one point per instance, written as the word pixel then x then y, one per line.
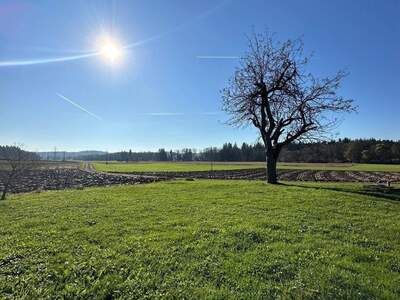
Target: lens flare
pixel 110 50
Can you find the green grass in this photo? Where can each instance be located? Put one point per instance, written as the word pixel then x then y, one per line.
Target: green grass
pixel 202 239
pixel 205 166
pixel 172 167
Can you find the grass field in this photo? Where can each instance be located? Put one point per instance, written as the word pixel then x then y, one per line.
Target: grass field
pixel 205 166
pixel 172 166
pixel 201 239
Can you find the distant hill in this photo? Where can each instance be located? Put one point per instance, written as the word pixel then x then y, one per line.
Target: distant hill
pixel 61 155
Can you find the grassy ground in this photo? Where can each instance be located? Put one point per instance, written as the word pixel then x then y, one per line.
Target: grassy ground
pixel 205 166
pixel 215 239
pixel 172 166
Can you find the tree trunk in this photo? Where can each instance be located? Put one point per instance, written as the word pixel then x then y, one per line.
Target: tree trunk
pixel 3 195
pixel 271 167
pixel 6 186
pixel 5 189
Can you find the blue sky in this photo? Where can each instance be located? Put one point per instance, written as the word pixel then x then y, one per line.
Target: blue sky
pixel 161 94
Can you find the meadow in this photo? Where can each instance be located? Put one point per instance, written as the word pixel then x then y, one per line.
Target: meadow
pixel 122 167
pixel 202 239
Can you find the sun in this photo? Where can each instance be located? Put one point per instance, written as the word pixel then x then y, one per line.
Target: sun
pixel 110 50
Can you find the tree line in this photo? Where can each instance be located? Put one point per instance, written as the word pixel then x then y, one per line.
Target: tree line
pixel 16 153
pixel 341 150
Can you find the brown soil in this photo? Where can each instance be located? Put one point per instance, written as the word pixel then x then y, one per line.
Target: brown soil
pixel 285 175
pixel 56 179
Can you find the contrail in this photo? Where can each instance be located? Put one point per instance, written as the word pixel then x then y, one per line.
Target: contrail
pixel 161 114
pixel 60 51
pixel 78 106
pixel 13 63
pixel 217 57
pixel 210 113
pixel 166 114
pixel 179 27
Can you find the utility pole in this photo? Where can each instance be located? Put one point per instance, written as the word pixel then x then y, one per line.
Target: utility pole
pixel 55 153
pixel 212 162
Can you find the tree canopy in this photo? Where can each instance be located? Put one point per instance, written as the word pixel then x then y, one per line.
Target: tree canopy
pixel 272 90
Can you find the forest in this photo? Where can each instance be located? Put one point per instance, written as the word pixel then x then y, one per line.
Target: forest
pixel 341 150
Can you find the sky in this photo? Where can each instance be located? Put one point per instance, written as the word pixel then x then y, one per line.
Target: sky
pixel 164 92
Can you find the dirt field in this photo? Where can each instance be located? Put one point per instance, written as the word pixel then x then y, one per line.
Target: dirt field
pixel 55 176
pixel 285 175
pixel 62 178
pixel 127 167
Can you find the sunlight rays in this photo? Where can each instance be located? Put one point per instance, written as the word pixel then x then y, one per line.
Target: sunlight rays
pixel 111 50
pixel 15 63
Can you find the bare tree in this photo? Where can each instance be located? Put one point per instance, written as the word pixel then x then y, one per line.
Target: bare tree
pixel 17 161
pixel 272 91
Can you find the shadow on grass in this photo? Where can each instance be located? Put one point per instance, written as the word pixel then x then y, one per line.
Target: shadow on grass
pixel 378 191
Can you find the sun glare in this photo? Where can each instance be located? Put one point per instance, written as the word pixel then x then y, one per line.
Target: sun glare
pixel 110 50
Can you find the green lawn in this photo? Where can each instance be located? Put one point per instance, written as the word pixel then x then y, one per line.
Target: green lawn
pixel 205 166
pixel 201 239
pixel 172 167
